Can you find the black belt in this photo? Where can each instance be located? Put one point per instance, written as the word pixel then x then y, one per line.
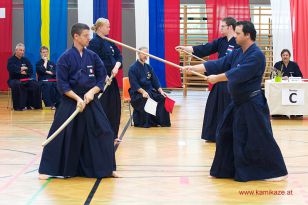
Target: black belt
pixel 245 97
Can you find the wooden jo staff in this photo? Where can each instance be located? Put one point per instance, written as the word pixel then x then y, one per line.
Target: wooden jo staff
pixel 152 56
pixel 72 116
pixel 196 57
pixel 106 85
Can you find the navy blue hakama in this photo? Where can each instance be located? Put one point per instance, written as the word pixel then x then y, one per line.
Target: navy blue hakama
pixel 110 100
pixel 245 147
pixel 111 103
pixel 143 76
pixel 217 102
pixel 85 148
pixel 144 119
pixel 50 94
pixel 219 97
pixel 26 92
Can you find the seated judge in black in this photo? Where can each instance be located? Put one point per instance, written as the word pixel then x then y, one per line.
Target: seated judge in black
pixel 144 84
pixel 26 91
pixel 289 68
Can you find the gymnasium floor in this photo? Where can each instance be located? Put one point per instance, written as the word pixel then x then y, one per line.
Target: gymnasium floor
pixel 164 166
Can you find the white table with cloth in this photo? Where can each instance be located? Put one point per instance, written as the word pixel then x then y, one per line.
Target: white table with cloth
pixel 287 98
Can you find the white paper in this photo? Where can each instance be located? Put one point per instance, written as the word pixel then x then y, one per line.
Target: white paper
pixel 2 13
pixel 150 106
pixel 293 97
pixel 295 79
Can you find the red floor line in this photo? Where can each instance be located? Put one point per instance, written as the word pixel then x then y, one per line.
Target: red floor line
pixel 22 171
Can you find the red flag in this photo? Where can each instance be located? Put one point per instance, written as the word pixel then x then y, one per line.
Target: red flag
pixel 169 104
pixel 5 40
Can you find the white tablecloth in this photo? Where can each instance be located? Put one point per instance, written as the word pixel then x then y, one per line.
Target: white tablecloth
pixel 273 93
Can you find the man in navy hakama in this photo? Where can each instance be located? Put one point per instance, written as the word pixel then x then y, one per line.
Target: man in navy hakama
pixel 46 71
pixel 26 92
pixel 219 97
pixel 112 59
pixel 245 147
pixel 85 147
pixel 144 83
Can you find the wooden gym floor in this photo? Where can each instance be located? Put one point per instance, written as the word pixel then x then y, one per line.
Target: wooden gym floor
pixel 164 166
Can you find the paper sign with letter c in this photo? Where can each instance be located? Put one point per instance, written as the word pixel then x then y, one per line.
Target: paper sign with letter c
pixel 292 97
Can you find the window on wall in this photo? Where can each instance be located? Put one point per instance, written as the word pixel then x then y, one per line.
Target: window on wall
pixel 193 31
pixel 261 16
pixel 193 24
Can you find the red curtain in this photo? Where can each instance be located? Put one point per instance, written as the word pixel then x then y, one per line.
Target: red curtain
pixel 172 39
pixel 5 41
pixel 216 10
pixel 115 18
pixel 299 20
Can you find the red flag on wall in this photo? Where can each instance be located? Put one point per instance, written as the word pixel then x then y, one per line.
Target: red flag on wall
pixel 5 40
pixel 172 39
pixel 299 20
pixel 115 19
pixel 216 10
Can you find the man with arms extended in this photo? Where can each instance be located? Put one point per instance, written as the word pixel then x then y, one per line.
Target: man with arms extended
pixel 245 148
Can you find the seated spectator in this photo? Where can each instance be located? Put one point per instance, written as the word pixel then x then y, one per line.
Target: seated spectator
pixel 46 71
pixel 26 91
pixel 144 84
pixel 288 68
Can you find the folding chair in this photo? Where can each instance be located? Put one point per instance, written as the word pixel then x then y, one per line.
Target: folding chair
pixel 9 99
pixel 126 96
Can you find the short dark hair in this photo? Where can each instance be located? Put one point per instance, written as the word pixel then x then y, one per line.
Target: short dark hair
pixel 78 28
pixel 230 21
pixel 248 27
pixel 43 48
pixel 285 50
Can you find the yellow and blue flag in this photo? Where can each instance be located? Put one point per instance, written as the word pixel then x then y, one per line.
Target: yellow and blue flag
pixel 45 24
